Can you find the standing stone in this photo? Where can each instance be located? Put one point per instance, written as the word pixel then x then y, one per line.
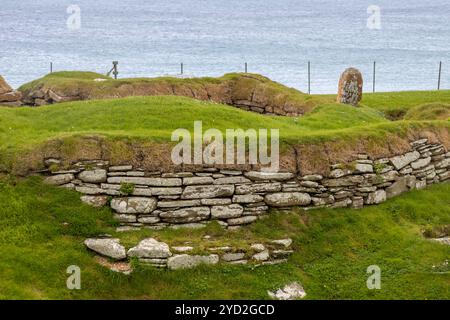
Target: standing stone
pixel 350 87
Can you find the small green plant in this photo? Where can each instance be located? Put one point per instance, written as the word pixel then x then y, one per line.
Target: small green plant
pixel 127 188
pixel 379 167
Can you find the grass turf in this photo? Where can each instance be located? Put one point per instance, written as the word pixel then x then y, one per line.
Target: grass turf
pixel 43 229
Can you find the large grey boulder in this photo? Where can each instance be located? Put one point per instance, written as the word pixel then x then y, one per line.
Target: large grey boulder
pixel 150 248
pixel 185 261
pixel 107 247
pixel 376 197
pixel 134 205
pixel 400 186
pixel 287 199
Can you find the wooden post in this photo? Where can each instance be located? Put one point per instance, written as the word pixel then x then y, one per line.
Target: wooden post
pixel 374 71
pixel 309 77
pixel 439 77
pixel 115 70
pixel 182 67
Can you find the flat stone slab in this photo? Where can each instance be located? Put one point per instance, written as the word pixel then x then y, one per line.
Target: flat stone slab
pixel 185 261
pixel 107 247
pixel 134 205
pixel 150 248
pixel 287 199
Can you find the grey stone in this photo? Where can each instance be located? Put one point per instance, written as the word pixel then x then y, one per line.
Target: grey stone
pixel 274 176
pixel 376 197
pixel 338 173
pixel 186 215
pixel 258 188
pixel 232 180
pixel 403 160
pixel 226 212
pixel 215 202
pixel 283 242
pixel 261 256
pixel 291 291
pixel 148 219
pixel 89 190
pixel 107 247
pixel 418 164
pixel 93 176
pixel 312 177
pixel 154 182
pixel 214 191
pixel 161 191
pixel 247 198
pixel 233 256
pixel 59 179
pixel 134 205
pixel 188 226
pixel 182 248
pixel 150 248
pixel 120 168
pixel 363 168
pixel 259 247
pixel 286 199
pixel 95 201
pixel 185 261
pixel 197 181
pixel 241 220
pixel 344 181
pixel 179 203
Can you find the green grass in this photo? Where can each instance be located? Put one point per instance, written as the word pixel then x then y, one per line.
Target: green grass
pixel 396 104
pixel 430 111
pixel 43 229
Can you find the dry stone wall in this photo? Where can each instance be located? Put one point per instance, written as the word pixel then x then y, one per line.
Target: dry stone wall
pixel 235 198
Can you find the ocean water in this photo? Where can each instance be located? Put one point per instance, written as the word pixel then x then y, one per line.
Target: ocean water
pixel 212 37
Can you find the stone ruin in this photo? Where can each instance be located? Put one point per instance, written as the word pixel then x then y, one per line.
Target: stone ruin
pixel 9 96
pixel 350 87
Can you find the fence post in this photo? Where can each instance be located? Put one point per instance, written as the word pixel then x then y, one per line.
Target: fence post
pixel 309 77
pixel 115 70
pixel 439 77
pixel 246 67
pixel 182 67
pixel 374 75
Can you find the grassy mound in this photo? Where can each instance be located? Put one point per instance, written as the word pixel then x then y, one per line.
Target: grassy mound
pixel 43 229
pixel 431 111
pixel 95 128
pixel 248 91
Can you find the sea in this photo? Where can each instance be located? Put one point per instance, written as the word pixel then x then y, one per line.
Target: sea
pixel 409 40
